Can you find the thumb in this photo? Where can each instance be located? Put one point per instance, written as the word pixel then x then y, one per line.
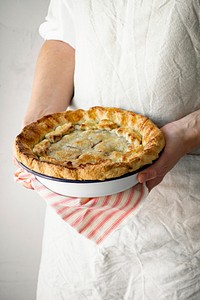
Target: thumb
pixel 147 174
pixel 157 169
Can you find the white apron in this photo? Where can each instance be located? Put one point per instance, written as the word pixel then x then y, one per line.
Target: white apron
pixel 142 56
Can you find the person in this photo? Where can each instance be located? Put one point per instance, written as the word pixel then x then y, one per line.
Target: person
pixel 142 57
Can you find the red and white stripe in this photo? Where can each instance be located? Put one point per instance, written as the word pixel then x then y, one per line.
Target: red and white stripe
pixel 97 218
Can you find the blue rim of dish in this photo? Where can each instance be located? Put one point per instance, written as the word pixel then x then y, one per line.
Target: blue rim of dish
pixel 78 181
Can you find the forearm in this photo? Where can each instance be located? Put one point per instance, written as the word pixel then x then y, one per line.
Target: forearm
pixel 189 128
pixel 52 88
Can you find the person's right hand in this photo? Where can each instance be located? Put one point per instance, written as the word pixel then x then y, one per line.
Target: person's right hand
pixel 22 176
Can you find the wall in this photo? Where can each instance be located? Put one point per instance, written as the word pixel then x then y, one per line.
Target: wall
pixel 21 211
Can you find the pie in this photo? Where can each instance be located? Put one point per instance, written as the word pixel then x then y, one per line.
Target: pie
pixel 95 144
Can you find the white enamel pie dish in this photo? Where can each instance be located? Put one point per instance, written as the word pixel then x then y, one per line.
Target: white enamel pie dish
pixel 87 188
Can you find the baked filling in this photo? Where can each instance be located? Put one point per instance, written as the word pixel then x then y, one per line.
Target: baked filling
pixel 95 144
pixel 91 146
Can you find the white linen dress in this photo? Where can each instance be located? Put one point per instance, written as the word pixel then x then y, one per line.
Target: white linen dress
pixel 142 56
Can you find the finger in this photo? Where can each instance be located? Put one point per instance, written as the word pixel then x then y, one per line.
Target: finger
pixel 85 200
pixel 157 169
pixel 146 175
pixel 153 182
pixel 28 185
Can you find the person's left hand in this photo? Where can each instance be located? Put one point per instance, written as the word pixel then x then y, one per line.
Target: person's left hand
pixel 176 146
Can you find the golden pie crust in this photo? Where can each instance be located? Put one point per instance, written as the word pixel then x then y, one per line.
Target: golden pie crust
pixel 95 144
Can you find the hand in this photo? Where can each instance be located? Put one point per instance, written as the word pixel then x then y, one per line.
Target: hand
pixel 22 176
pixel 176 147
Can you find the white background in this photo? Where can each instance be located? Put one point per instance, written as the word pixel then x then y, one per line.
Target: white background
pixel 21 211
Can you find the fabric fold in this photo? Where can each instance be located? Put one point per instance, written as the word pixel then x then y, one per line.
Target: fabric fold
pixel 94 218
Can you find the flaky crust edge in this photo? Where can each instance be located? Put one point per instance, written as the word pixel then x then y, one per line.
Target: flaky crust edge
pixel 153 141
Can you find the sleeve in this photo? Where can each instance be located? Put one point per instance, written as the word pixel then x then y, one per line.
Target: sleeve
pixel 59 22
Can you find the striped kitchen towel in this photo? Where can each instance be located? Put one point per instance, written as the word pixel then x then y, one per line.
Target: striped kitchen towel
pixel 97 218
